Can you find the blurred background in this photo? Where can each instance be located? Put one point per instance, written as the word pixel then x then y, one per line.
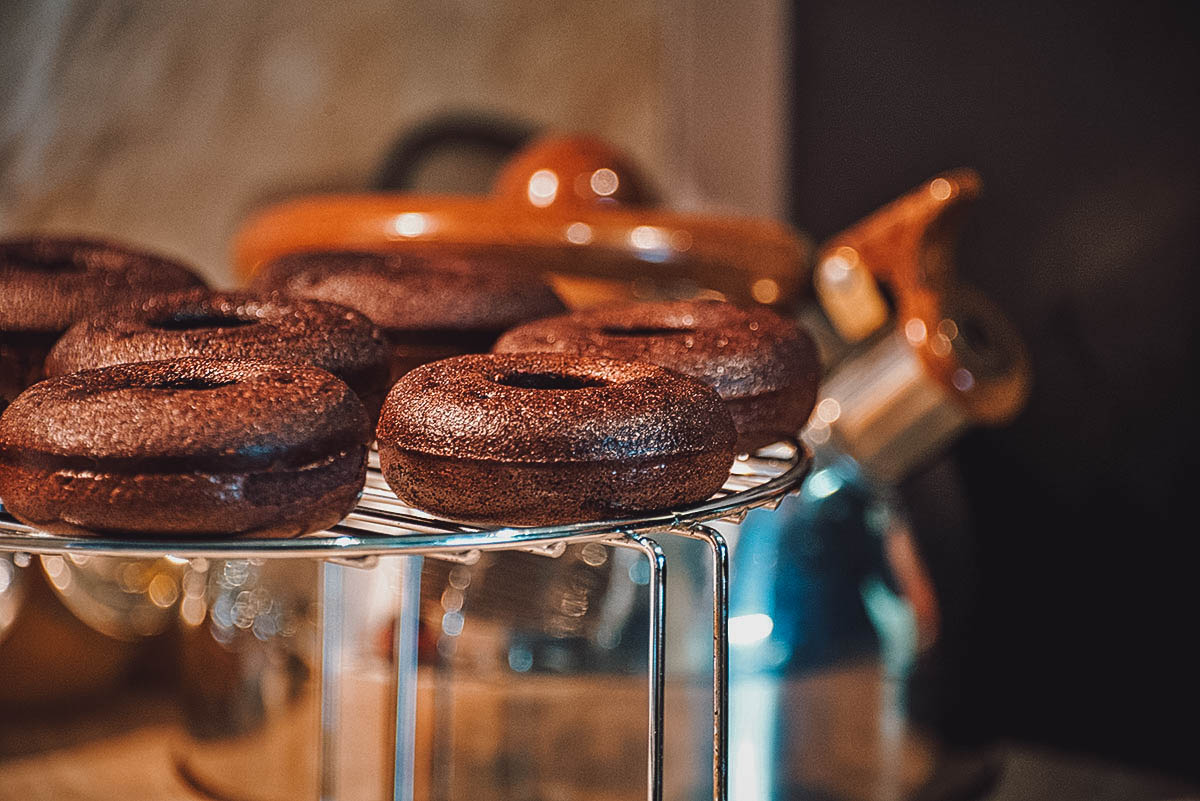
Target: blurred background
pixel 168 122
pixel 1064 558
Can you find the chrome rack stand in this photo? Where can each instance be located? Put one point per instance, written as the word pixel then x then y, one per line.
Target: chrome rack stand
pixel 382 525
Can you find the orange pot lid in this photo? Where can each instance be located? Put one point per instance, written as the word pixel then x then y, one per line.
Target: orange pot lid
pixel 565 205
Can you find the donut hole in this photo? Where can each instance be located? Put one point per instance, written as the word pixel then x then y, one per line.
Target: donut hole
pixel 973 334
pixel 185 321
pixel 195 383
pixel 57 264
pixel 548 381
pixel 648 331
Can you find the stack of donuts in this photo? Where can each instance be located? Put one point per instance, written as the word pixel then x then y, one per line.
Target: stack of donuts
pixel 142 404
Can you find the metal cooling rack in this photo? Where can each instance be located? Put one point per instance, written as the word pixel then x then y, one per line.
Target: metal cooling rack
pixel 382 525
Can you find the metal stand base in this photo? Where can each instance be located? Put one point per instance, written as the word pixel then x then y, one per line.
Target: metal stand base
pixel 382 526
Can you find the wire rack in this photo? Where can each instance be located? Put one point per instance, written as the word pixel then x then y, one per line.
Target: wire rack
pixel 382 525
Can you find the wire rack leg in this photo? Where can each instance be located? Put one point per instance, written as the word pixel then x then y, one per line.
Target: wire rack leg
pixel 342 594
pixel 720 700
pixel 407 629
pixel 332 610
pixel 657 653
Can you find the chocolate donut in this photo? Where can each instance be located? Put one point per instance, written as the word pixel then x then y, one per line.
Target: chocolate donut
pixel 234 326
pixel 537 439
pixel 47 283
pixel 184 448
pixel 765 368
pixel 436 305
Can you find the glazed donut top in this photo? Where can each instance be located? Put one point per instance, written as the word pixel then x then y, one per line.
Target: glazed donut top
pixel 407 293
pixel 224 325
pixel 738 352
pixel 47 283
pixel 549 408
pixel 183 415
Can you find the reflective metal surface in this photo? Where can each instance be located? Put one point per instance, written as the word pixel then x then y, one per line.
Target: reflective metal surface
pixel 884 409
pixel 122 598
pixel 827 623
pixel 12 592
pixel 249 662
pixel 719 553
pixel 832 603
pixel 250 621
pixel 656 657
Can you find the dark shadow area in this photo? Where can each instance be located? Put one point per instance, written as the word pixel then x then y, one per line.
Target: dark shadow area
pixel 1068 604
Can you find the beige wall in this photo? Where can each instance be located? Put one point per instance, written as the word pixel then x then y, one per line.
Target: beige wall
pixel 165 122
pixel 725 79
